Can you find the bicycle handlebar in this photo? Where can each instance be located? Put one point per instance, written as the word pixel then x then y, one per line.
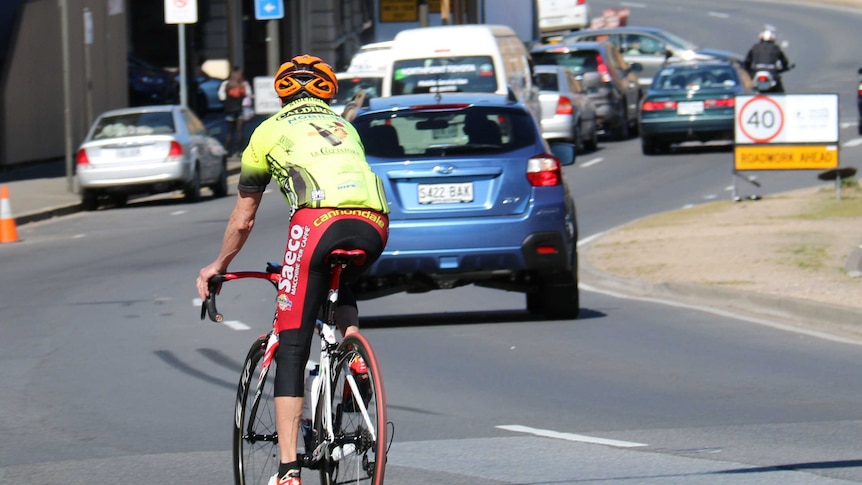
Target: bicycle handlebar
pixel 208 306
pixel 340 257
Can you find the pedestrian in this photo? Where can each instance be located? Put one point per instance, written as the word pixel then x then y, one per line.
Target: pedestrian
pixel 234 92
pixel 334 200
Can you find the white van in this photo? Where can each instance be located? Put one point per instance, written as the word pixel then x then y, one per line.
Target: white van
pixel 556 17
pixel 371 57
pixel 463 58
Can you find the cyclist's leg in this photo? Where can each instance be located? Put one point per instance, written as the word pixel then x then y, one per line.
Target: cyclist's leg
pixel 346 312
pixel 354 232
pixel 360 418
pixel 299 298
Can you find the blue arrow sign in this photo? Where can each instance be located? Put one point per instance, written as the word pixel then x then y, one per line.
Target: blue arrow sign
pixel 268 9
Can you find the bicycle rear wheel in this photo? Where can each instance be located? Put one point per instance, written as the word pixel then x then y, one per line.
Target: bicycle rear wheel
pixel 360 424
pixel 255 441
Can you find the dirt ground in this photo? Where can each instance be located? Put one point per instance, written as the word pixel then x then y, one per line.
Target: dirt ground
pixel 793 245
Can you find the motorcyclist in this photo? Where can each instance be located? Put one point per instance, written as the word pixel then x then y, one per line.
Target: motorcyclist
pixel 767 56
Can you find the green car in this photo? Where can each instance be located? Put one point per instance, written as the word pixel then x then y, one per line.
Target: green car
pixel 691 101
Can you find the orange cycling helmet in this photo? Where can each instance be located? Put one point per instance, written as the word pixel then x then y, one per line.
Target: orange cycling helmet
pixel 306 73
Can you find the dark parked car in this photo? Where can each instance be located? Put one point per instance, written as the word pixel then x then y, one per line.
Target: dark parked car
pixel 649 47
pixel 475 198
pixel 150 84
pixel 611 82
pixel 692 101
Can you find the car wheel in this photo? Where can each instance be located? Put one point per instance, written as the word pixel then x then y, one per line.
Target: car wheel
pixel 648 146
pixel 579 141
pixel 192 192
pixel 558 296
pixel 860 126
pixel 622 131
pixel 119 200
pixel 593 143
pixel 89 200
pixel 220 187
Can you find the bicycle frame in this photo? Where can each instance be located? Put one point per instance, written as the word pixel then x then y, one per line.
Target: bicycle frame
pixel 330 447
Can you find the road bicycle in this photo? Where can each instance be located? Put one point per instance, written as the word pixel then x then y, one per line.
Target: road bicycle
pixel 349 435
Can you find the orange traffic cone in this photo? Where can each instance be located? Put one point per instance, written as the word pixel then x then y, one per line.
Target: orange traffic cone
pixel 8 231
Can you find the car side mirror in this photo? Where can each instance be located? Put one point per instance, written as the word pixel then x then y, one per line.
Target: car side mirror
pixel 565 152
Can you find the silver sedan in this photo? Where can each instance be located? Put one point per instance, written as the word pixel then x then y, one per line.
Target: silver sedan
pixel 567 112
pixel 147 150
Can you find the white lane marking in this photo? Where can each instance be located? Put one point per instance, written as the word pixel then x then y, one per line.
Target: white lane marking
pixel 235 325
pixel 633 4
pixel 720 15
pixel 178 213
pixel 570 436
pixel 232 324
pixel 724 313
pixel 852 143
pixel 592 162
pixel 848 124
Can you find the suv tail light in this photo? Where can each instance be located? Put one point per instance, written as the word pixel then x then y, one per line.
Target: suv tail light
pixel 543 170
pixel 859 89
pixel 564 106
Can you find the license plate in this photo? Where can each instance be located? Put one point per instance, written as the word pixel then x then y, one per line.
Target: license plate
pixel 689 108
pixel 128 152
pixel 445 193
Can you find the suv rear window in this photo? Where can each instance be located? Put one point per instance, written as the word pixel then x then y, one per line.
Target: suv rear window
pixel 441 132
pixel 578 61
pixel 466 74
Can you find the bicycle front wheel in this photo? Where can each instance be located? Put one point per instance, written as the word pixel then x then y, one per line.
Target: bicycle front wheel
pixel 359 420
pixel 255 441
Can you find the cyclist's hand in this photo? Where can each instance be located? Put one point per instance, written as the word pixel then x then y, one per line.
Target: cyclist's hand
pixel 207 272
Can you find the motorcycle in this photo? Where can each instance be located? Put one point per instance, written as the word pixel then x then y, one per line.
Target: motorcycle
pixel 767 78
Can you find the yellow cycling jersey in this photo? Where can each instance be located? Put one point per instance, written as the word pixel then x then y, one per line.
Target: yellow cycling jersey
pixel 316 157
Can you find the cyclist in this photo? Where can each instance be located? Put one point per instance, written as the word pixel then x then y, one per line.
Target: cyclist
pixel 335 201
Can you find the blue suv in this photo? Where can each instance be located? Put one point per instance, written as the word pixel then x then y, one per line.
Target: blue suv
pixel 477 197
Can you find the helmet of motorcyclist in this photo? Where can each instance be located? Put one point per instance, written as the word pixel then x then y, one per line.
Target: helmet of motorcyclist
pixel 767 36
pixel 305 76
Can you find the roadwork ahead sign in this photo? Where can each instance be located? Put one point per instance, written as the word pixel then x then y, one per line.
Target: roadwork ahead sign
pixel 786 132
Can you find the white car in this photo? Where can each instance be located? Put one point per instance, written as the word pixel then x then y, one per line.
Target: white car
pixel 350 83
pixel 147 150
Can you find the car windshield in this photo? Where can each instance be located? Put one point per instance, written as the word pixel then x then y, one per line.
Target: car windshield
pixel 349 86
pixel 472 74
pixel 134 124
pixel 578 61
pixel 454 130
pixel 694 77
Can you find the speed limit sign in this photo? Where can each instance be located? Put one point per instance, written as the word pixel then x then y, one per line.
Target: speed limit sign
pixel 760 119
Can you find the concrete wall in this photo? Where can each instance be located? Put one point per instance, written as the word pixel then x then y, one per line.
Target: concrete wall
pixel 33 109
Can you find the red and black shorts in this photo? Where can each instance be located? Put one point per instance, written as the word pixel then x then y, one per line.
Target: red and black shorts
pixel 312 235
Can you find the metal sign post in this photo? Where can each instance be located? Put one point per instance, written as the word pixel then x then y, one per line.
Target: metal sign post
pixel 182 12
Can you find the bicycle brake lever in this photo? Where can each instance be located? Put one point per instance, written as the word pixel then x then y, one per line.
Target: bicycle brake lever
pixel 208 306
